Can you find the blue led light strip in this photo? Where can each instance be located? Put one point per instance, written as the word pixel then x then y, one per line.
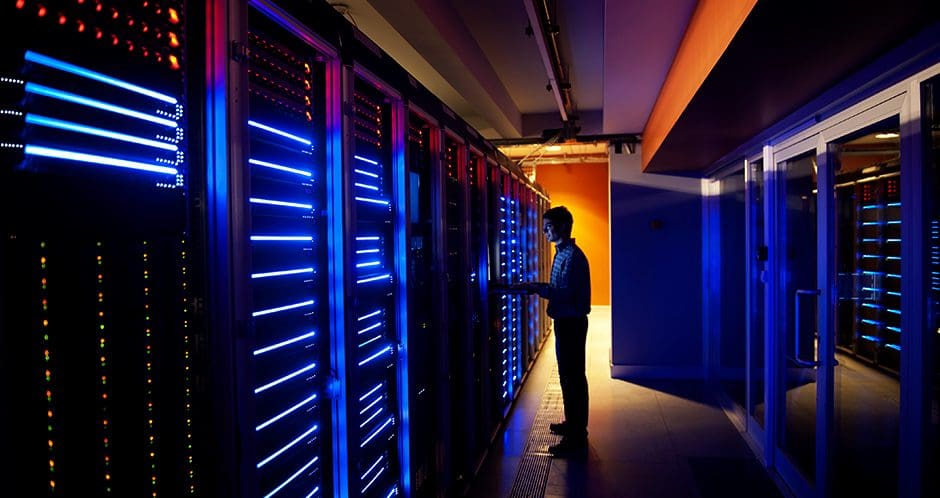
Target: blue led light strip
pixel 288 342
pixel 282 238
pixel 86 73
pixel 45 91
pixel 281 273
pixel 368 187
pixel 376 355
pixel 370 327
pixel 371 417
pixel 293 476
pixel 871 338
pixel 362 172
pixel 895 347
pixel 279 167
pixel 271 202
pixel 370 161
pixel 278 132
pixel 36 150
pixel 38 120
pixel 288 446
pixel 282 308
pixel 370 315
pixel 371 392
pixel 285 378
pixel 370 341
pixel 372 201
pixel 373 279
pixel 286 412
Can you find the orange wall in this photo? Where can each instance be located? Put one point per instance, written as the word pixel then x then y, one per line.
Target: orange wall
pixel 584 189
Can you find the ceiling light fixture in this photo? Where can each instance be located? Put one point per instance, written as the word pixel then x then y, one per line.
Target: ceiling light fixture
pixel 553 148
pixel 888 135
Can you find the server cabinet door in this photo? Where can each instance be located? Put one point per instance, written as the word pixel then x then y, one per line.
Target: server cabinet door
pixel 505 308
pixel 287 435
pixel 425 299
pixel 375 307
pixel 97 332
pixel 478 320
pixel 457 332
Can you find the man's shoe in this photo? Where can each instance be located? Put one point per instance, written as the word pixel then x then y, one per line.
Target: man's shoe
pixel 568 446
pixel 561 428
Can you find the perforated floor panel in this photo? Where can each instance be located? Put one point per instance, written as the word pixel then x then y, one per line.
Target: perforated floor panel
pixel 532 473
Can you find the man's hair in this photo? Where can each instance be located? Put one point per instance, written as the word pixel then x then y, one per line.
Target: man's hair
pixel 559 216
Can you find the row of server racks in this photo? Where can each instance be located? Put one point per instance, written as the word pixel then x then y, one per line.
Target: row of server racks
pixel 869 310
pixel 246 254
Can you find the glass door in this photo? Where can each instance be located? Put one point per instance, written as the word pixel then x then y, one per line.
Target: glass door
pixel 796 341
pixel 837 327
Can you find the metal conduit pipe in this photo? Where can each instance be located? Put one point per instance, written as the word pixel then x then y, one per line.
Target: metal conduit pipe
pixel 545 33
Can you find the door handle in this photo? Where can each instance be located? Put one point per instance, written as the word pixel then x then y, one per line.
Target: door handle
pixel 796 328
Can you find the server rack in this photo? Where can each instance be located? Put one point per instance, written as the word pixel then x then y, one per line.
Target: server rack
pixel 507 308
pixel 871 316
pixel 284 356
pixel 425 301
pixel 375 377
pixel 530 263
pixel 457 331
pixel 482 430
pixel 99 328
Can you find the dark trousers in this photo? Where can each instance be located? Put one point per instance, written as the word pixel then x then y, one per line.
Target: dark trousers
pixel 570 342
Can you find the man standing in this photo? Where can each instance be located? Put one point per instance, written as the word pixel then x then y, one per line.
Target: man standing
pixel 569 302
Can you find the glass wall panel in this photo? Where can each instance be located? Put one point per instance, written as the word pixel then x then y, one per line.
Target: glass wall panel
pixel 732 287
pixel 868 311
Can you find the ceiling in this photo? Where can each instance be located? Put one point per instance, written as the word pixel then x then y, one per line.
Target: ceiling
pixel 476 56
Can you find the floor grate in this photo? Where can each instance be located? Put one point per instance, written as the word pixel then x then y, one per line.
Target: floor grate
pixel 532 473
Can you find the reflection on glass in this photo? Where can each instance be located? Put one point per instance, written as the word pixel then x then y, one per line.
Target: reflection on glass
pixel 868 311
pixel 798 243
pixel 732 287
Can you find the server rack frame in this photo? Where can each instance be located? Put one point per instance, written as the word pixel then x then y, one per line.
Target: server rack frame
pixel 435 465
pixel 478 213
pixel 351 73
pixel 457 332
pixel 228 218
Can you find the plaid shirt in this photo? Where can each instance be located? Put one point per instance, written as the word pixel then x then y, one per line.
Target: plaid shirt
pixel 569 292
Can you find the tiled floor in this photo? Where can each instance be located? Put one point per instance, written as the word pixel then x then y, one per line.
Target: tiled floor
pixel 660 439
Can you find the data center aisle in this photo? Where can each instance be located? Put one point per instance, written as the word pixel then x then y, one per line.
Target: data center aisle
pixel 647 439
